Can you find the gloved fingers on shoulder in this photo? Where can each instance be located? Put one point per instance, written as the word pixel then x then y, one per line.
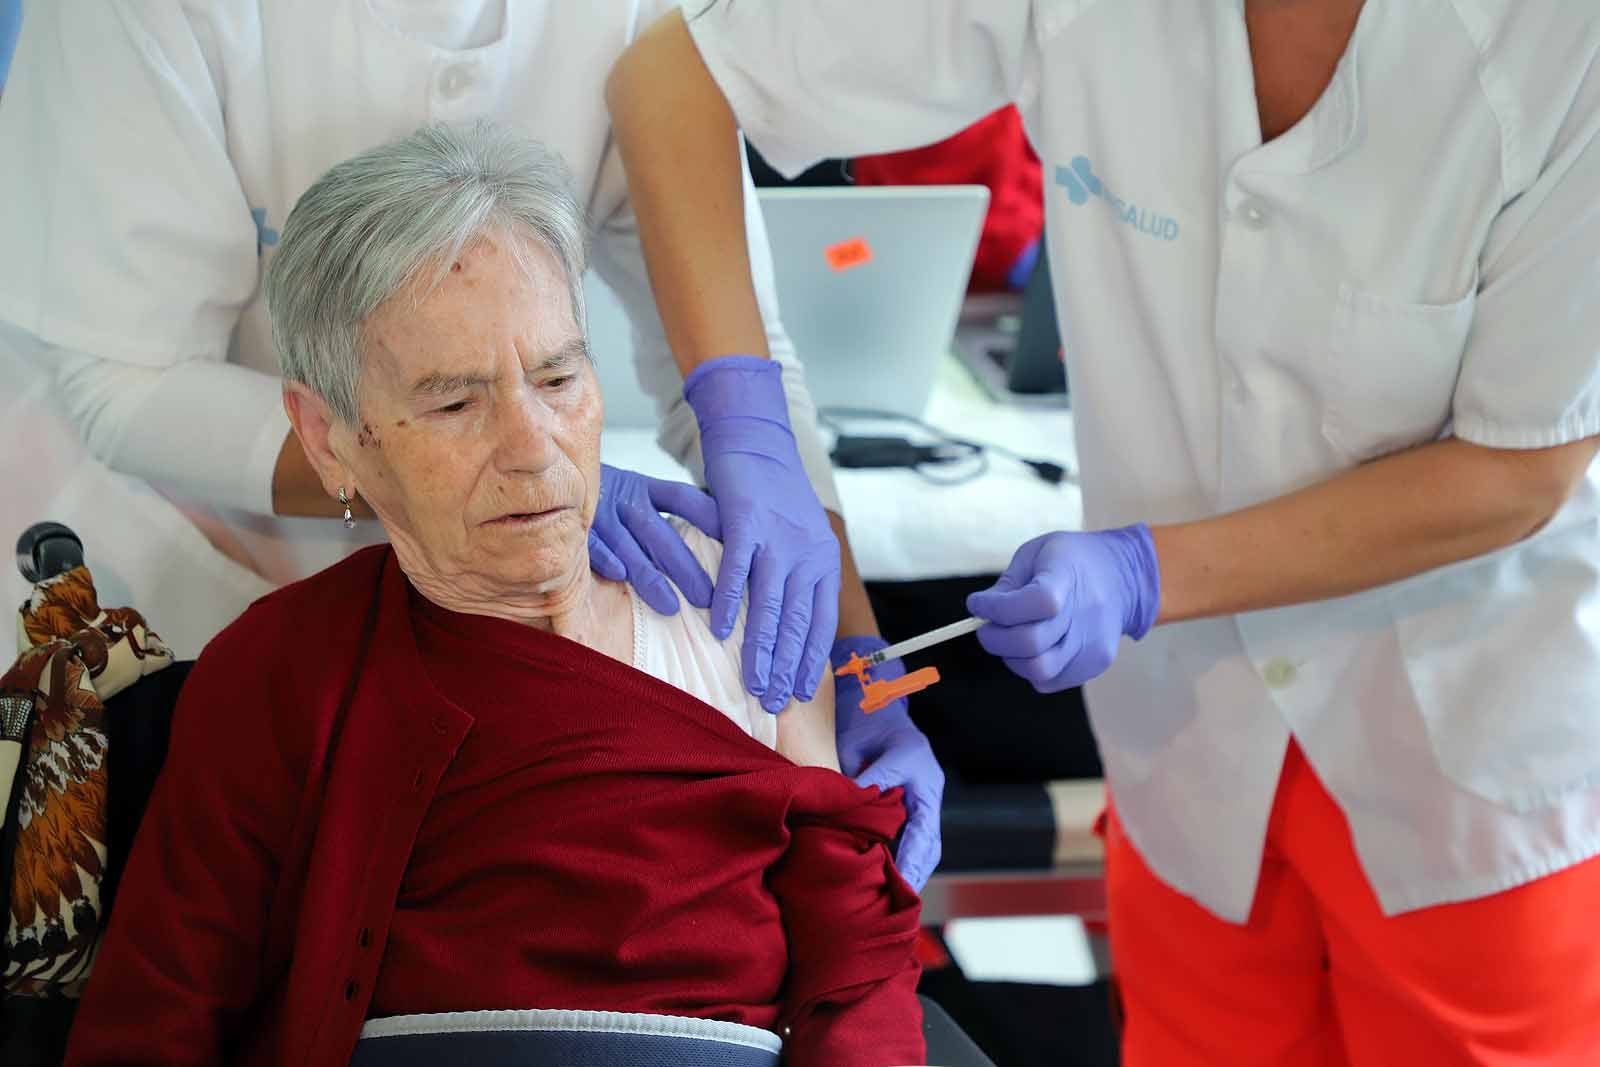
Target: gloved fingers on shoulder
pixel 762 620
pixel 738 556
pixel 687 502
pixel 651 585
pixel 603 561
pixel 824 625
pixel 669 553
pixel 794 629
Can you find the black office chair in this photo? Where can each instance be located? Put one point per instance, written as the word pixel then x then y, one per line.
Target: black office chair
pixel 34 1030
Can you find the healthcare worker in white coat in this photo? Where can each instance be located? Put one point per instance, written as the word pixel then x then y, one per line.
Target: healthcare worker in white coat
pixel 1329 276
pixel 149 152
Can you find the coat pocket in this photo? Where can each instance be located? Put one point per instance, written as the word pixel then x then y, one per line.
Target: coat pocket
pixel 1393 371
pixel 1502 654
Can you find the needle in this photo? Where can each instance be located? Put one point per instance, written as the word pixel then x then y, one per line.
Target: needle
pixel 927 640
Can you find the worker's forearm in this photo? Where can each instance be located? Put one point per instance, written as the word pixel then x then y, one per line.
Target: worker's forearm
pixel 201 430
pixel 855 609
pixel 680 147
pixel 297 491
pixel 1379 523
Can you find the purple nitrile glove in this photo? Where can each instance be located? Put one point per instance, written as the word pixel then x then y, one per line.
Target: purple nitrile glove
pixel 630 541
pixel 1060 609
pixel 1017 277
pixel 774 531
pixel 885 749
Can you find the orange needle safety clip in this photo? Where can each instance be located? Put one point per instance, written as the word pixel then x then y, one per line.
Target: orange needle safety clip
pixel 877 695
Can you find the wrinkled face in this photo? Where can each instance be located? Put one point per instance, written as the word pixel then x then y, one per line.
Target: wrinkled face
pixel 479 445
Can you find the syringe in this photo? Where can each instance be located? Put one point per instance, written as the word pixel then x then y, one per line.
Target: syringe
pixel 927 640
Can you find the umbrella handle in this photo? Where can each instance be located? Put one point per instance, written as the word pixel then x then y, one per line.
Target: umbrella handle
pixel 47 549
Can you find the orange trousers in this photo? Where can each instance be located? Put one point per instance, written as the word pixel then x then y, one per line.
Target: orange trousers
pixel 1318 977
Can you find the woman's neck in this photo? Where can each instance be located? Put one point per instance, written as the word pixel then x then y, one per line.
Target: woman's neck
pixel 594 613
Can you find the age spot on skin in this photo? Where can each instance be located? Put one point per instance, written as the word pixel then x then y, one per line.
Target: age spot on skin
pixel 368 436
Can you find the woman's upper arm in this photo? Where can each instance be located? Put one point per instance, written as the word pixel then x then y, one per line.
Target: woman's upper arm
pixel 851 921
pixel 129 245
pixel 619 261
pixel 805 729
pixel 208 430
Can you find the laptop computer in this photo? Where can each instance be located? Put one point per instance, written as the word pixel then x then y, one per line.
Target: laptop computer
pixel 870 283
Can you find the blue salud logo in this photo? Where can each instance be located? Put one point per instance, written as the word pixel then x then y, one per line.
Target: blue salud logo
pixel 265 235
pixel 1082 184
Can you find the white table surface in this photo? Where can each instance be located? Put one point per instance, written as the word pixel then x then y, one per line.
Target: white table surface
pixel 904 528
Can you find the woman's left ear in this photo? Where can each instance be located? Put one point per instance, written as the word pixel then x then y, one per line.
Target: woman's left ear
pixel 314 423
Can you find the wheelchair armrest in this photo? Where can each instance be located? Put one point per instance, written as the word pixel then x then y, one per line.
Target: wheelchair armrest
pixel 948 1044
pixel 33 1030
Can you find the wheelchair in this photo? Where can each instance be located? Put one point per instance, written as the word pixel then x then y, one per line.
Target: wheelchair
pixel 34 1030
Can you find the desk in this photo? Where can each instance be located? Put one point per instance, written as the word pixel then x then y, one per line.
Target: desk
pixel 903 528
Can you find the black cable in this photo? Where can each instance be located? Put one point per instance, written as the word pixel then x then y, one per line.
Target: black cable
pixel 979 469
pixel 865 452
pixel 1047 471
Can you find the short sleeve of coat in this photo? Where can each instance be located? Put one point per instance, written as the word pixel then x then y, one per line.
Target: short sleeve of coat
pixel 848 77
pixel 1530 377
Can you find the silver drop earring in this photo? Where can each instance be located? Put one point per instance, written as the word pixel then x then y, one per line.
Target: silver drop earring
pixel 349 520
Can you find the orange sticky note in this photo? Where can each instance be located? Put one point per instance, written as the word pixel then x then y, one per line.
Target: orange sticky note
pixel 847 254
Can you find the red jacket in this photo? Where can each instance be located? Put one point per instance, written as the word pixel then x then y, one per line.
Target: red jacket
pixel 252 918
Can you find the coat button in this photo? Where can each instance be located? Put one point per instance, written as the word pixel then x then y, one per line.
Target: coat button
pixel 1253 213
pixel 455 80
pixel 364 939
pixel 1279 673
pixel 351 988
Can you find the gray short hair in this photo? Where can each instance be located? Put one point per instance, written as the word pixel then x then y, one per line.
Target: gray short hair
pixel 367 228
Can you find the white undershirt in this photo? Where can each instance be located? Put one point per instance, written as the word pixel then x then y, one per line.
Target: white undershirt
pixel 681 650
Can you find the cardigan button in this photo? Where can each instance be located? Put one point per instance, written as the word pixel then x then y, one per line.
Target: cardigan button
pixel 416 779
pixel 351 988
pixel 364 939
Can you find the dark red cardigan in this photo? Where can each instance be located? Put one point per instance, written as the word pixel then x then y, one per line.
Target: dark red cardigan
pixel 252 919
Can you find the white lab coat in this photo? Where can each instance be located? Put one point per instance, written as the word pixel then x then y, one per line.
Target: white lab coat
pixel 152 150
pixel 1417 257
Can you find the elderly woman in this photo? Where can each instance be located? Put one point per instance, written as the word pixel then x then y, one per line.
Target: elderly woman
pixel 460 771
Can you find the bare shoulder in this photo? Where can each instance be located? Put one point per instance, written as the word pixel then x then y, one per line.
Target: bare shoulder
pixel 805 728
